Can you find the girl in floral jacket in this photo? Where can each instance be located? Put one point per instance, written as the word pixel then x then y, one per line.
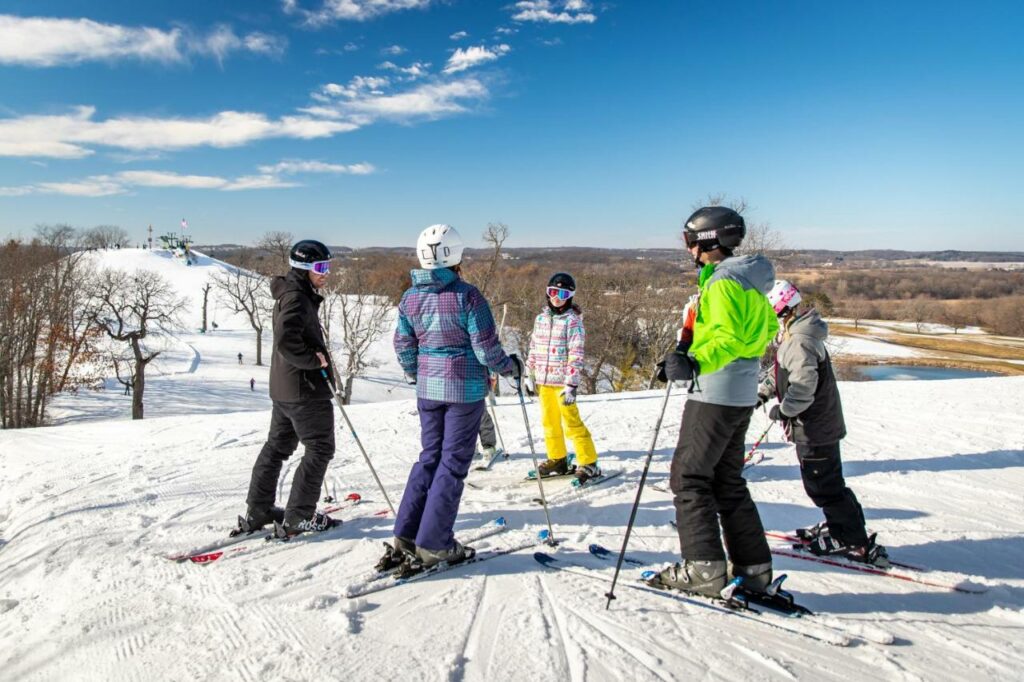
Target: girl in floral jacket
pixel 555 363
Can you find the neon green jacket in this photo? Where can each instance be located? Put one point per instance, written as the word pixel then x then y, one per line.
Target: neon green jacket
pixel 734 325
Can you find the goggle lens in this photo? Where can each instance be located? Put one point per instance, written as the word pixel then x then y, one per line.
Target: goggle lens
pixel 322 267
pixel 559 293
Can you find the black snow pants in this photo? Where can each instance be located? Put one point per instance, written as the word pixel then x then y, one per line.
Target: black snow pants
pixel 821 469
pixel 709 488
pixel 312 423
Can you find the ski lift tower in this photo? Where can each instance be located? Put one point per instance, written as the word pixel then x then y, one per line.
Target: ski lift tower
pixel 150 237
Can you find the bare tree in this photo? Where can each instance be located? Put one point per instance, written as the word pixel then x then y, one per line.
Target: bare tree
pixel 494 236
pixel 44 339
pixel 361 319
pixel 104 237
pixel 206 297
pixel 130 308
pixel 274 248
pixel 245 291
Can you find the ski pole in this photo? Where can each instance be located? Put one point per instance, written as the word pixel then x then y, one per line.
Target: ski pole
pixel 758 442
pixel 639 491
pixel 355 437
pixel 536 466
pixel 494 418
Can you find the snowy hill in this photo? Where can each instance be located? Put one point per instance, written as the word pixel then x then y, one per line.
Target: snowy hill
pixel 87 511
pixel 200 372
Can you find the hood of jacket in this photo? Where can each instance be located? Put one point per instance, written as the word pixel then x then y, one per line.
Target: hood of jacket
pixel 754 270
pixel 809 324
pixel 432 280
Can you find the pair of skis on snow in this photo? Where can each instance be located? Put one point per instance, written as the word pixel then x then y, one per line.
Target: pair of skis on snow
pixel 235 542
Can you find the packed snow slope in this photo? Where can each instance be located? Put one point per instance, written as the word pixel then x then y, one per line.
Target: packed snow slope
pixel 88 512
pixel 201 372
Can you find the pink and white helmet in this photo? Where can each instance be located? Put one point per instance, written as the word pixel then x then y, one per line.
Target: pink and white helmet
pixel 784 295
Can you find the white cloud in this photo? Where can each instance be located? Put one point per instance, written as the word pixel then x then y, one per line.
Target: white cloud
pixel 463 59
pixel 458 35
pixel 268 177
pixel 546 11
pixel 351 10
pixel 45 41
pixel 350 47
pixel 72 135
pixel 426 101
pixel 293 166
pixel 506 31
pixel 412 72
pixel 393 50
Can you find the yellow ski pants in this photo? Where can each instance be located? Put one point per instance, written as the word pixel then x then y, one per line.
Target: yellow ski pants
pixel 554 415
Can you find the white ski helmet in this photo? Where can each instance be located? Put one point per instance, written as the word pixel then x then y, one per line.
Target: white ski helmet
pixel 439 246
pixel 784 296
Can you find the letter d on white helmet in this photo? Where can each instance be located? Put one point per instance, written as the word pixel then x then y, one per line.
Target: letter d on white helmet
pixel 439 246
pixel 784 296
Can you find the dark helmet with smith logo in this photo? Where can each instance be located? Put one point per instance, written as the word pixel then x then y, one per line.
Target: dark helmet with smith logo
pixel 714 227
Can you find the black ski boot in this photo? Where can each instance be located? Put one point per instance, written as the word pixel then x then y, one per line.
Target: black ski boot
pixel 706 578
pixel 395 555
pixel 756 578
pixel 812 533
pixel 254 520
pixel 872 553
pixel 553 467
pixel 587 472
pixel 426 558
pixel 317 523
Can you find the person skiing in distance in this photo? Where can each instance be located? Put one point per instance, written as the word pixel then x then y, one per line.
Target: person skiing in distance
pixel 302 409
pixel 733 323
pixel 446 341
pixel 811 413
pixel 239 358
pixel 555 362
pixel 252 384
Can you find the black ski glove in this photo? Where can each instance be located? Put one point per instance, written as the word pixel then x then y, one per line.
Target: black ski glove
pixel 680 367
pixel 776 415
pixel 660 376
pixel 517 367
pixel 761 400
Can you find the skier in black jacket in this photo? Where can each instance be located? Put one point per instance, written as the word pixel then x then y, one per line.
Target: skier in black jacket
pixel 302 399
pixel 812 415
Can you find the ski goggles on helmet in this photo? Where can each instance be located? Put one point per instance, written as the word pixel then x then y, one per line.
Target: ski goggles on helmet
pixel 560 293
pixel 320 267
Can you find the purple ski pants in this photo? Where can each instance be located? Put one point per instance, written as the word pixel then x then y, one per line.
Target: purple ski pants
pixel 431 500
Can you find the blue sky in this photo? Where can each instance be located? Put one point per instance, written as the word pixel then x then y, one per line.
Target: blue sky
pixel 576 122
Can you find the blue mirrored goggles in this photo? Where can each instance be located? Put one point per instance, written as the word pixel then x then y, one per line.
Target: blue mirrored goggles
pixel 320 267
pixel 559 293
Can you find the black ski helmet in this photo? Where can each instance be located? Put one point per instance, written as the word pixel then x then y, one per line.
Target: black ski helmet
pixel 714 227
pixel 562 280
pixel 308 251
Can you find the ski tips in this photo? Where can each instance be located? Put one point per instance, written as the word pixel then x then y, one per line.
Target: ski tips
pixel 598 550
pixel 500 521
pixel 354 497
pixel 647 575
pixel 544 558
pixel 546 537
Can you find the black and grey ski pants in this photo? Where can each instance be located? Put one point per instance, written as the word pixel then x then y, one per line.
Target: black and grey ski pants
pixel 312 424
pixel 821 469
pixel 709 488
pixel 488 438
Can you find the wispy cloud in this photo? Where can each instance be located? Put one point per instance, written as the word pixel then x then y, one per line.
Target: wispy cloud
pixel 428 101
pixel 547 11
pixel 458 35
pixel 350 10
pixel 293 166
pixel 45 41
pixel 463 59
pixel 268 177
pixel 393 50
pixel 73 135
pixel 412 72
